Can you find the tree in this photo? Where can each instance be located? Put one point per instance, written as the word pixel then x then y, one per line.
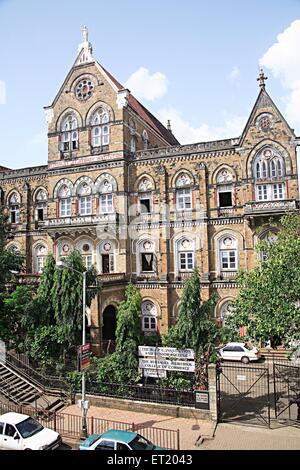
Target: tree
pixel 122 365
pixel 195 328
pixel 268 301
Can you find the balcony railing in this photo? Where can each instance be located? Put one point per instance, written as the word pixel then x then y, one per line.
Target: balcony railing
pixel 112 277
pixel 270 206
pixel 227 275
pixel 81 220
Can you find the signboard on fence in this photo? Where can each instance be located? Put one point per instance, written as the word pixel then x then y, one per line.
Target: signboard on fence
pixel 202 400
pixel 152 351
pixel 85 356
pixel 165 364
pixel 155 373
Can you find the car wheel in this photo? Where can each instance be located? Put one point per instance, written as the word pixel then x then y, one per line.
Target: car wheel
pixel 245 360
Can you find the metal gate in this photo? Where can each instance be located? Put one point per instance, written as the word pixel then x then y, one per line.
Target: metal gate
pixel 243 394
pixel 286 392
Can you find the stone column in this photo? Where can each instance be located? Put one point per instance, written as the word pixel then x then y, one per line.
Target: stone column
pixel 213 392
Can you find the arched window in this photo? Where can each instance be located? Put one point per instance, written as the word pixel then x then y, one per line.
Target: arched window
pixel 84 193
pixel 132 144
pixel 145 189
pixel 106 186
pixel 149 317
pixel 40 255
pixel 85 248
pixel 185 255
pixel 145 139
pixel 64 196
pixel 269 165
pixel 14 208
pixel 100 128
pixel 64 248
pixel 225 311
pixel 40 205
pixel 106 260
pixel 69 133
pixel 225 188
pixel 146 257
pixel 183 192
pixel 228 255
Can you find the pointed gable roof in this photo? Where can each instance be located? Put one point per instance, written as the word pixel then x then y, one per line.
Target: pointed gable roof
pixel 263 101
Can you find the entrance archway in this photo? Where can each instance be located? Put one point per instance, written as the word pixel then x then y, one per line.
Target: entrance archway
pixel 109 323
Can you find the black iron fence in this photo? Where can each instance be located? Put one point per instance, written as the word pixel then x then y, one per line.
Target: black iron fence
pixel 140 392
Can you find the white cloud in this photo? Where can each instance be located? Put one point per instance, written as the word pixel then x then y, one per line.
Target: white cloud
pixel 186 133
pixel 144 85
pixel 235 74
pixel 2 92
pixel 283 59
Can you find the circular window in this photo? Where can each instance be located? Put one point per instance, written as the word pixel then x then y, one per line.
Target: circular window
pixel 265 122
pixel 84 89
pixel 86 247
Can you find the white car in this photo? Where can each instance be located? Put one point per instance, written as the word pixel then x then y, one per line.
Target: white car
pixel 21 432
pixel 239 352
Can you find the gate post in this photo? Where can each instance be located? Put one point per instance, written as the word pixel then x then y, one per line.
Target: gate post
pixel 212 389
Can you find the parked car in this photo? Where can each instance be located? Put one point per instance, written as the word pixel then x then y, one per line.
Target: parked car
pixel 118 440
pixel 21 432
pixel 239 352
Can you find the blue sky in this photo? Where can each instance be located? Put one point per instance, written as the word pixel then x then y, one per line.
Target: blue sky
pixel 200 60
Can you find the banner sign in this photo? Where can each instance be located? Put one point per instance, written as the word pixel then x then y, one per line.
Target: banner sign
pixel 152 351
pixel 164 364
pixel 85 353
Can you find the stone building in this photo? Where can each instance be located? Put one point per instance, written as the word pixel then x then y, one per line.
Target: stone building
pixel 120 188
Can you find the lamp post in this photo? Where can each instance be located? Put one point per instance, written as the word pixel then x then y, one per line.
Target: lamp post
pixel 84 404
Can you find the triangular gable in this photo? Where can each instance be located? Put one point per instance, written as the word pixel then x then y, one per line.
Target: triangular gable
pixel 263 101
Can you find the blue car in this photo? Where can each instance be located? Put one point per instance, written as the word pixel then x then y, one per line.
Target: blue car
pixel 118 440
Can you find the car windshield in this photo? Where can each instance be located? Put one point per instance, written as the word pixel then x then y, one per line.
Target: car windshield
pixel 140 443
pixel 29 427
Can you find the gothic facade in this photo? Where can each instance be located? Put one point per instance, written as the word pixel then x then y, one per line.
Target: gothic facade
pixel 142 208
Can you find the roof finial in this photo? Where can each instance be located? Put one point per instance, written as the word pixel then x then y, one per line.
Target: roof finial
pixel 169 125
pixel 85 34
pixel 262 78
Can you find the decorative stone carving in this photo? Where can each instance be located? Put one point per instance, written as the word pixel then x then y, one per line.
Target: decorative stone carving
pixel 149 308
pixel 145 185
pixel 148 246
pixel 183 180
pixel 224 176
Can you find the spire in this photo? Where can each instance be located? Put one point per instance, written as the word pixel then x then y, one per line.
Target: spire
pixel 262 78
pixel 85 48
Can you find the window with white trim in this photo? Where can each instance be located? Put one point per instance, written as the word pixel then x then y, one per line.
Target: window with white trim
pixel 69 135
pixel 270 192
pixel 40 258
pixel 100 128
pixel 65 207
pixel 186 255
pixel 149 316
pixel 106 203
pixel 14 208
pixel 107 257
pixel 184 199
pixel 85 205
pixel 228 254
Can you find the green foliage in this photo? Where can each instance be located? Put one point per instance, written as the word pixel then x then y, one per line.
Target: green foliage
pixel 47 346
pixel 122 365
pixel 266 304
pixel 195 328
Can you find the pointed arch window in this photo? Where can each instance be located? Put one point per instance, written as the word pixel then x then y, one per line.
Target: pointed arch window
pixel 41 205
pixel 146 256
pixel 228 254
pixel 64 195
pixel 40 253
pixel 186 255
pixel 84 193
pixel 69 134
pixel 107 252
pixel 85 248
pixel 149 317
pixel 100 128
pixel 14 208
pixel 183 192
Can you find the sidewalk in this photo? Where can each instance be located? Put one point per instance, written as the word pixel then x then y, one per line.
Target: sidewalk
pixel 239 437
pixel 190 428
